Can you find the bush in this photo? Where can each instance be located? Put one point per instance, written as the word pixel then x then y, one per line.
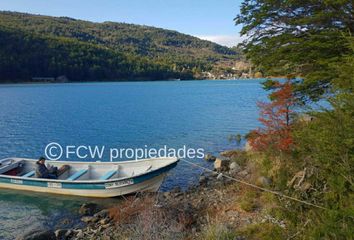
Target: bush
pixel 240 157
pixel 139 218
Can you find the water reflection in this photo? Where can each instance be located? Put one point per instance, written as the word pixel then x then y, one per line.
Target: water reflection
pixel 25 211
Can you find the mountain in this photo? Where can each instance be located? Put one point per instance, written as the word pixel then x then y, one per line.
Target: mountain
pixel 43 46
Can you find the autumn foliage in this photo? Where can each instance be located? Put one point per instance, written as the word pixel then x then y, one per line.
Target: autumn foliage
pixel 275 118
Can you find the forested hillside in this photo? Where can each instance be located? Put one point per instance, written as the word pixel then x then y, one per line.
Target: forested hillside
pixel 24 56
pixel 42 46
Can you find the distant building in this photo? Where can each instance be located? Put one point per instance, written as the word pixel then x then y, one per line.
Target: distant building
pixel 43 79
pixel 61 79
pixel 208 75
pixel 245 75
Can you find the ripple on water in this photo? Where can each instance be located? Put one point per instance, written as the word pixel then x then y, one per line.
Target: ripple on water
pixel 199 114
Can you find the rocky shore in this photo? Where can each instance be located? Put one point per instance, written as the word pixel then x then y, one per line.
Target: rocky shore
pixel 216 202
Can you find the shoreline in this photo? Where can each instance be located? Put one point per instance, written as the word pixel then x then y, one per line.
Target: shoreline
pixel 214 201
pixel 124 81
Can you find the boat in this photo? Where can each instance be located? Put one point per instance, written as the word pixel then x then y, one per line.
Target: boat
pixel 88 179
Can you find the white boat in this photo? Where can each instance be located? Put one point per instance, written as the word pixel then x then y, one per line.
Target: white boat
pixel 89 179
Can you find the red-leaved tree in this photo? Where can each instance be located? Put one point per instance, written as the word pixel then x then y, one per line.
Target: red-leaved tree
pixel 275 118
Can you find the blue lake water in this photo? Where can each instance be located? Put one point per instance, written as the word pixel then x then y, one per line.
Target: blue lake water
pixel 198 114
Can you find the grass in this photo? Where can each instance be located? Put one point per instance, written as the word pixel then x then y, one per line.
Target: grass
pixel 248 206
pixel 264 231
pixel 240 157
pixel 218 232
pixel 248 201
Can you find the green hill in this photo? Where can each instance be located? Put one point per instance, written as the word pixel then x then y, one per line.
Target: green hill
pixel 42 46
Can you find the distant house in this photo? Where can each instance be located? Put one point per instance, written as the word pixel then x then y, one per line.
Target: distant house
pixel 61 79
pixel 208 75
pixel 43 79
pixel 245 75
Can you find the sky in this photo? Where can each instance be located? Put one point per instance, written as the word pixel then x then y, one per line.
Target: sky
pixel 207 19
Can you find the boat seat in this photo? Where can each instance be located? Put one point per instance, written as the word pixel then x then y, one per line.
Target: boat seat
pixel 10 165
pixel 6 160
pixel 29 174
pixel 108 175
pixel 76 175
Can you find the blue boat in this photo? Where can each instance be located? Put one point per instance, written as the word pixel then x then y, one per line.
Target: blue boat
pixel 88 179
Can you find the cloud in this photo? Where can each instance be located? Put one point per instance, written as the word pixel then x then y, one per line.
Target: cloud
pixel 225 40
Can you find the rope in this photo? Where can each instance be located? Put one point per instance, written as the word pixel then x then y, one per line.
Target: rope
pixel 255 186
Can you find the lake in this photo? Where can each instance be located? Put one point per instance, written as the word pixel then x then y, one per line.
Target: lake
pixel 197 114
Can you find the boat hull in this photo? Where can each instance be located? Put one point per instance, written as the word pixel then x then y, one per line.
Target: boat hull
pixel 149 181
pixel 151 185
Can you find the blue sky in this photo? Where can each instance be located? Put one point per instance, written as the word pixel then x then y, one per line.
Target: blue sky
pixel 207 19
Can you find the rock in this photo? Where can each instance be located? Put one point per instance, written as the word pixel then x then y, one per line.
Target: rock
pixel 104 221
pixel 65 221
pixel 69 233
pixel 89 219
pixel 263 181
pixel 246 220
pixel 233 173
pixel 79 233
pixel 232 214
pixel 234 167
pixel 167 194
pixel 228 181
pixel 94 231
pixel 298 178
pixel 192 189
pixel 178 194
pixel 61 234
pixel 176 189
pixel 219 177
pixel 38 235
pixel 243 173
pixel 188 210
pixel 210 158
pixel 88 209
pixel 106 226
pixel 229 153
pixel 202 180
pixel 248 147
pixel 102 214
pixel 221 164
pixel 305 186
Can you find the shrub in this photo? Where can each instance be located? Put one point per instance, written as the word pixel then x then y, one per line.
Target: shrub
pixel 240 157
pixel 139 218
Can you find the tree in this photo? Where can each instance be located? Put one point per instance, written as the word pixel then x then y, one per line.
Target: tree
pixel 310 39
pixel 26 55
pixel 148 52
pixel 304 38
pixel 275 117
